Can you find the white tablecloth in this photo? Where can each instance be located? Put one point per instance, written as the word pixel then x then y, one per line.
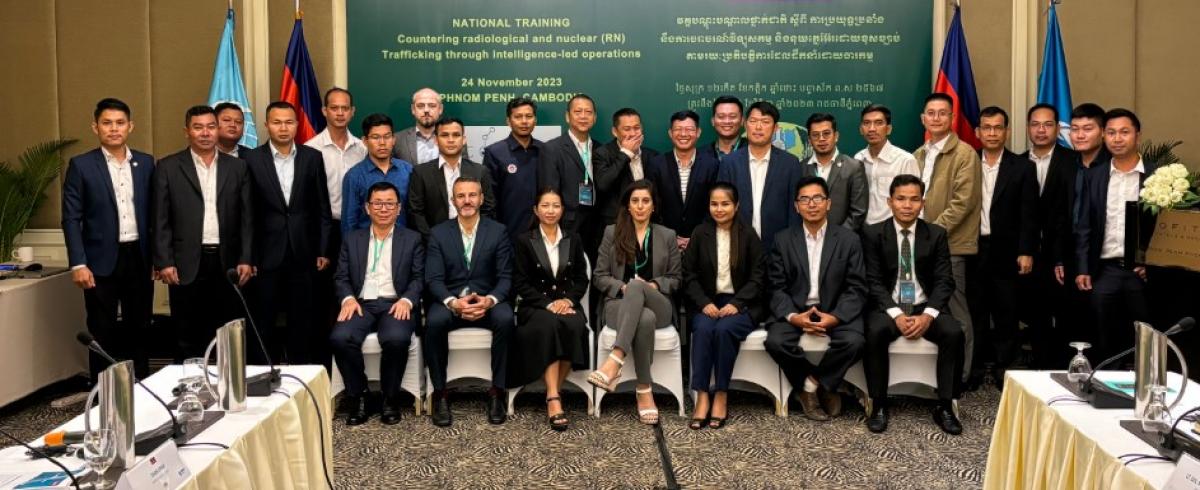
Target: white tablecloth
pixel 39 319
pixel 1069 445
pixel 274 444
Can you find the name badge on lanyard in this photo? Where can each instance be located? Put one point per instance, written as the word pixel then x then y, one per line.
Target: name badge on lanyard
pixel 587 193
pixel 908 296
pixel 586 197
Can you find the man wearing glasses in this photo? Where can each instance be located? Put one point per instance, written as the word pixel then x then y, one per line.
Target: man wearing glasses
pixel 378 166
pixel 845 176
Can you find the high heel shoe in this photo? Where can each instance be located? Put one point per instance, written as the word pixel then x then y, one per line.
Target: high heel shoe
pixel 558 421
pixel 648 416
pixel 600 380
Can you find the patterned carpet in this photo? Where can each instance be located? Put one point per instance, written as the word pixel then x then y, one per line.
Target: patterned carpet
pixel 756 450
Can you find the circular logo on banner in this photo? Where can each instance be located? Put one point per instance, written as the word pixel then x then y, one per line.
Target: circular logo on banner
pixel 512 168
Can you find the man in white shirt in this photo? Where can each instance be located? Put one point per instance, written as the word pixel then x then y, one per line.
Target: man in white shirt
pixel 339 149
pixel 882 161
pixel 845 176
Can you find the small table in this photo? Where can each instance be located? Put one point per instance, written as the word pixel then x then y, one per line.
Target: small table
pixel 39 319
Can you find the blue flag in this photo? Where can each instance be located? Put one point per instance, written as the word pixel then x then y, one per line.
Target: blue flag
pixel 1054 86
pixel 227 83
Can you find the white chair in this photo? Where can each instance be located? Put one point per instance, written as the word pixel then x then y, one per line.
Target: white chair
pixel 667 369
pixel 912 366
pixel 470 357
pixel 756 371
pixel 372 353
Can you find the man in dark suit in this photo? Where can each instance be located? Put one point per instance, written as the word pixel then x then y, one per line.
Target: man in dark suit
pixel 621 161
pixel 202 225
pixel 468 273
pixel 818 288
pixel 1007 243
pixel 765 176
pixel 846 176
pixel 106 226
pixel 910 281
pixel 683 177
pixel 727 124
pixel 293 225
pixel 429 187
pixel 1112 232
pixel 417 143
pixel 231 126
pixel 566 165
pixel 513 164
pixel 379 278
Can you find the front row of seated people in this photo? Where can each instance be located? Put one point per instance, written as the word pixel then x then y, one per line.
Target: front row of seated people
pixel 860 291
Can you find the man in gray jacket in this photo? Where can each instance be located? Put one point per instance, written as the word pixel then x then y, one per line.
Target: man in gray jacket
pixel 846 176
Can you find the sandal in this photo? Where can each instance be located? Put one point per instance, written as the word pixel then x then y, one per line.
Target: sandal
pixel 697 424
pixel 557 421
pixel 717 422
pixel 648 416
pixel 600 380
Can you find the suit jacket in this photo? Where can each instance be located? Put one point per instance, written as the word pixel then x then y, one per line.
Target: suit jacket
pixel 89 210
pixel 536 284
pixel 1089 232
pixel 609 275
pixel 783 174
pixel 613 176
pixel 303 223
pixel 515 184
pixel 931 263
pixel 406 145
pixel 748 275
pixel 446 271
pixel 560 167
pixel 1013 214
pixel 953 198
pixel 428 203
pixel 847 181
pixel 841 279
pixel 673 211
pixel 408 264
pixel 1054 215
pixel 178 208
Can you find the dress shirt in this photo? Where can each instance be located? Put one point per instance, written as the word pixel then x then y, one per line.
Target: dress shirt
pixel 919 296
pixel 337 162
pixel 233 153
pixel 285 169
pixel 685 172
pixel 814 243
pixel 1122 187
pixel 932 150
pixel 758 183
pixel 468 240
pixel 1043 167
pixel 552 248
pixel 635 163
pixel 881 170
pixel 585 153
pixel 451 175
pixel 360 178
pixel 211 232
pixel 724 274
pixel 121 173
pixel 377 283
pixel 823 170
pixel 990 171
pixel 426 147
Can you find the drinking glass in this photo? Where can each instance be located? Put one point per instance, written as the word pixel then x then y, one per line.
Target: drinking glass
pixel 1080 368
pixel 99 450
pixel 1157 417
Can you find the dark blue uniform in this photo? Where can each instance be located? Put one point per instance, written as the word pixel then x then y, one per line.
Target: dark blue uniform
pixel 514 171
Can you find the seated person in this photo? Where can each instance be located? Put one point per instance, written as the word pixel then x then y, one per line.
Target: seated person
pixel 723 277
pixel 818 288
pixel 637 272
pixel 383 266
pixel 467 274
pixel 908 270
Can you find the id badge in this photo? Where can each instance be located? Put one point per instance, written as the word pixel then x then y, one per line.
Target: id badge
pixel 908 292
pixel 586 197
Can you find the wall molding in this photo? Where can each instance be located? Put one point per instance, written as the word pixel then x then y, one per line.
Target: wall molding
pixel 1025 21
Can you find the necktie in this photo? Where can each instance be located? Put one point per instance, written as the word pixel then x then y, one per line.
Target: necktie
pixel 905 256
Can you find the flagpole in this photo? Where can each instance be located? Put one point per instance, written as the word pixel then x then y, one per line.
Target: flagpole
pixel 299 14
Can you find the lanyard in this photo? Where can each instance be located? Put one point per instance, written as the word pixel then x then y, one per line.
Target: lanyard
pixel 376 251
pixel 637 266
pixel 585 156
pixel 469 247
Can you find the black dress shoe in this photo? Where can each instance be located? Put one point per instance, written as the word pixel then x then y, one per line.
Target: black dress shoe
pixel 945 418
pixel 973 382
pixel 998 378
pixel 358 413
pixel 441 409
pixel 496 410
pixel 391 412
pixel 878 421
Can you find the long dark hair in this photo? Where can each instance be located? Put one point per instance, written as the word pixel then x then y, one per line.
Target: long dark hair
pixel 624 233
pixel 735 225
pixel 534 222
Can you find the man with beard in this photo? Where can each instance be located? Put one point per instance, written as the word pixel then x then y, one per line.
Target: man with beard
pixel 513 163
pixel 417 144
pixel 845 176
pixel 430 190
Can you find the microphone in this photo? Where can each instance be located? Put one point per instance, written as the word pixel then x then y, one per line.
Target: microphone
pixel 262 384
pixel 1168 439
pixel 1184 324
pixel 74 482
pixel 178 432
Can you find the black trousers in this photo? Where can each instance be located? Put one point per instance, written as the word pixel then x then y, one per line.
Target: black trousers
pixel 589 224
pixel 943 331
pixel 127 293
pixel 326 304
pixel 395 337
pixel 440 322
pixel 288 289
pixel 992 299
pixel 1118 300
pixel 846 342
pixel 1052 313
pixel 200 307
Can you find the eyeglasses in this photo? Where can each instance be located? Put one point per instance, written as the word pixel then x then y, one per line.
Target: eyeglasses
pixel 823 135
pixel 936 114
pixel 818 200
pixel 384 204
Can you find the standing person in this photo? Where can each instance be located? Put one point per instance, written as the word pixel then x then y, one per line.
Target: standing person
pixel 203 224
pixel 622 161
pixel 723 274
pixel 882 161
pixel 765 175
pixel 683 176
pixel 378 166
pixel 291 237
pixel 430 190
pixel 1008 232
pixel 951 172
pixel 567 166
pixel 550 277
pixel 468 273
pixel 845 176
pixel 416 144
pixel 727 124
pixel 638 272
pixel 379 281
pixel 231 125
pixel 513 164
pixel 818 288
pixel 910 281
pixel 106 227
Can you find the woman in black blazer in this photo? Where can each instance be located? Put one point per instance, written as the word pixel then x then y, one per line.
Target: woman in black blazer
pixel 723 277
pixel 551 277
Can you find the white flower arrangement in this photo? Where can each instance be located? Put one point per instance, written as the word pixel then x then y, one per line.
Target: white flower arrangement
pixel 1170 187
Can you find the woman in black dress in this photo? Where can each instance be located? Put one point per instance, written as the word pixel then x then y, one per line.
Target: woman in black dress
pixel 551 278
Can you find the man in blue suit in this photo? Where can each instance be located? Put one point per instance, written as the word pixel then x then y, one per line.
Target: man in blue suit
pixel 513 162
pixel 468 274
pixel 379 278
pixel 105 222
pixel 683 177
pixel 766 176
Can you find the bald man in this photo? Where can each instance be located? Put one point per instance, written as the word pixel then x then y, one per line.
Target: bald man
pixel 416 144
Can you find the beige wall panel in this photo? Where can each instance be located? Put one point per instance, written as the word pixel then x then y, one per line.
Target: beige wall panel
pixel 318 33
pixel 1168 68
pixel 988 27
pixel 1099 41
pixel 28 85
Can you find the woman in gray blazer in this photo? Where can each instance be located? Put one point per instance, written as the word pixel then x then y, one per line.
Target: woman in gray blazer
pixel 638 270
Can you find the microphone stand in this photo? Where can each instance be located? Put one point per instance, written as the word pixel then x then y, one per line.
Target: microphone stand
pixel 261 384
pixel 70 474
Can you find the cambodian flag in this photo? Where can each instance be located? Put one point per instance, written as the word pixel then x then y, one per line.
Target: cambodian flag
pixel 1054 86
pixel 956 80
pixel 300 86
pixel 227 83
